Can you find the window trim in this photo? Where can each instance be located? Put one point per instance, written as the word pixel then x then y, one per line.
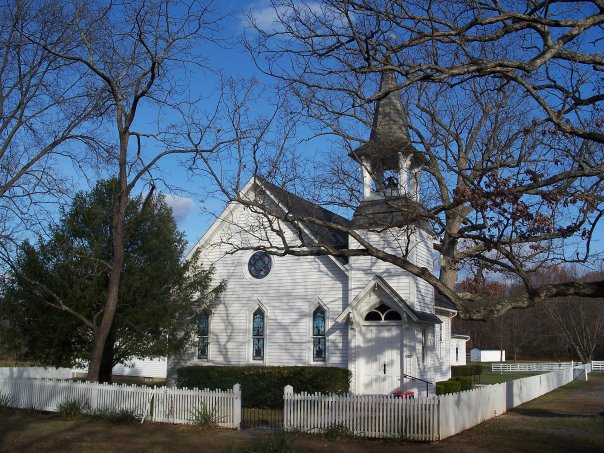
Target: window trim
pixel 258 305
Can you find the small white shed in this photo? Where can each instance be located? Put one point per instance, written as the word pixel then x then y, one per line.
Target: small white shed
pixel 487 355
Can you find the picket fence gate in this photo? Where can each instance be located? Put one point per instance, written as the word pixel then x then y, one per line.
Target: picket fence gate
pixel 362 415
pixel 156 404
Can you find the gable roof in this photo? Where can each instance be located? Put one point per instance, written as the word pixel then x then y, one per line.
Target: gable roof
pixel 300 207
pixel 379 281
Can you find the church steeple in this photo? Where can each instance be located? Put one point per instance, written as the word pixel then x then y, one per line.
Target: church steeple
pixel 389 162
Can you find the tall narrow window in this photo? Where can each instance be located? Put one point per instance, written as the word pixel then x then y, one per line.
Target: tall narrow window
pixel 318 335
pixel 258 335
pixel 456 354
pixel 423 346
pixel 203 331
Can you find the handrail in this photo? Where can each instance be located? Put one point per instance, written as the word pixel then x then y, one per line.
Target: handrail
pixel 413 378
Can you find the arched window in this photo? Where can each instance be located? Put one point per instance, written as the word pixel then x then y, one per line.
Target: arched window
pixel 203 333
pixel 383 313
pixel 318 335
pixel 258 335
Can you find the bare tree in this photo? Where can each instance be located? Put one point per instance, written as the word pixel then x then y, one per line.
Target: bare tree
pixel 579 322
pixel 134 51
pixel 45 108
pixel 502 105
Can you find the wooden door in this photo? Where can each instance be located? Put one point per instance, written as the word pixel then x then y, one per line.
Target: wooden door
pixel 380 359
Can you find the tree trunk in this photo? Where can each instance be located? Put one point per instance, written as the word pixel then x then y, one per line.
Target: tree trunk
pixel 119 215
pixel 106 368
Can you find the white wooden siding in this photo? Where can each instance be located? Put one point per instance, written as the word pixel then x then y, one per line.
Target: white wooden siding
pixel 293 288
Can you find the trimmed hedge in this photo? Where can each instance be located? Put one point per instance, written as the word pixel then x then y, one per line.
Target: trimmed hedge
pixel 474 371
pixel 262 387
pixel 466 370
pixel 466 382
pixel 444 387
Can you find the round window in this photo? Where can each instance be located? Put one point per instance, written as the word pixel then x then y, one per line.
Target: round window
pixel 259 265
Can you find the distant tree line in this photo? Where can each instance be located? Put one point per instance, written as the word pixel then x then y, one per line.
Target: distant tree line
pixel 566 328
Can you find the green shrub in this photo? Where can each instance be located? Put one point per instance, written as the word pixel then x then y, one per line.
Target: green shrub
pixel 462 370
pixel 444 387
pixel 473 370
pixel 204 416
pixel 466 382
pixel 440 388
pixel 336 432
pixel 73 408
pixel 453 386
pixel 262 387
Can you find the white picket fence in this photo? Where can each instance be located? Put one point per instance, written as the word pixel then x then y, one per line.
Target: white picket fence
pixel 361 415
pixel 502 367
pixel 597 365
pixel 157 404
pixel 424 419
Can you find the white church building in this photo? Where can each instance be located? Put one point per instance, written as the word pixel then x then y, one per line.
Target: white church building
pixel 382 323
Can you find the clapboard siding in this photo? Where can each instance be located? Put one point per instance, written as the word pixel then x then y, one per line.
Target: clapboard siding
pixel 289 294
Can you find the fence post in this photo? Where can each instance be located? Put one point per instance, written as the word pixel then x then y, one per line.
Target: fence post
pixel 288 391
pixel 237 406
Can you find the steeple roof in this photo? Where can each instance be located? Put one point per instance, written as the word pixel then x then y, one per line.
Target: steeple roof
pixel 389 132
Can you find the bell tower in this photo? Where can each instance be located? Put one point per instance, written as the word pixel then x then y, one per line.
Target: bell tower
pixel 391 166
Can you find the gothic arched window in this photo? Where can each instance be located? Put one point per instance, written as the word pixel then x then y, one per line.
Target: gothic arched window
pixel 318 335
pixel 258 335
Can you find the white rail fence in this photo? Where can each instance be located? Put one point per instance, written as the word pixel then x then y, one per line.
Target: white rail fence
pixel 501 367
pixel 597 365
pixel 362 415
pixel 424 419
pixel 157 404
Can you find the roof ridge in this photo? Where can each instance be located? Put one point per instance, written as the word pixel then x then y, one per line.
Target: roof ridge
pixel 341 220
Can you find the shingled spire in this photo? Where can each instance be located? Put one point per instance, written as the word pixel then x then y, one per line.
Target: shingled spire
pixel 390 164
pixel 388 158
pixel 389 133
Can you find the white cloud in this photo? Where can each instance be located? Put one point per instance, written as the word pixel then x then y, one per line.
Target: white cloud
pixel 268 18
pixel 181 206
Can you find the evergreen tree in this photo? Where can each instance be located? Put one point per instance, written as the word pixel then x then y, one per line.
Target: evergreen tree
pixel 52 300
